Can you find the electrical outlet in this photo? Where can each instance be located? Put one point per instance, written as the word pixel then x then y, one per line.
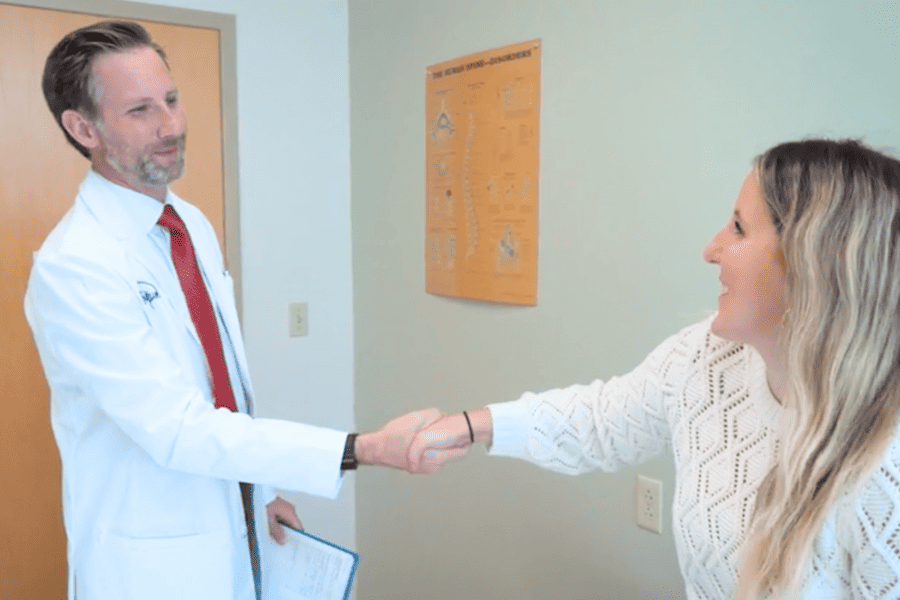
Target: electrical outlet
pixel 648 504
pixel 297 319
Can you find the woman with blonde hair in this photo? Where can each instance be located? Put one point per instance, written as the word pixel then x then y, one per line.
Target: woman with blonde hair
pixel 780 410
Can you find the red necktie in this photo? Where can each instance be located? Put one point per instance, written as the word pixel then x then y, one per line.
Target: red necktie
pixel 204 319
pixel 200 307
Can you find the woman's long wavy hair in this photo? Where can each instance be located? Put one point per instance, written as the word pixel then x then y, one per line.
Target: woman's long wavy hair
pixel 836 207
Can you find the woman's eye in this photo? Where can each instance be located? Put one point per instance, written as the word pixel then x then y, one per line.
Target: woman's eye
pixel 738 229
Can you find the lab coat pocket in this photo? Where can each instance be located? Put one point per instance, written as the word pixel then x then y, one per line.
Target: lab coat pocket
pixel 198 567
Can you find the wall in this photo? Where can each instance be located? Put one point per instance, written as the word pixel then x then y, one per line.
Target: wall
pixel 651 114
pixel 293 130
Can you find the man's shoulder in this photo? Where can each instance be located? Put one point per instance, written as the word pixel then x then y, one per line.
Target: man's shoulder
pixel 77 254
pixel 78 233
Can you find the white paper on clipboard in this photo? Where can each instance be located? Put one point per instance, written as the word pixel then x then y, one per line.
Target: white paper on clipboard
pixel 307 567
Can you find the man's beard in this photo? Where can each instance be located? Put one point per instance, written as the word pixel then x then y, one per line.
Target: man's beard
pixel 149 173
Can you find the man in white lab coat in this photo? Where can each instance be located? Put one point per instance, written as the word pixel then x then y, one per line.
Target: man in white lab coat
pixel 151 466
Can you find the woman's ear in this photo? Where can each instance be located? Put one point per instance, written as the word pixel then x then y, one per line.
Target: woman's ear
pixel 82 130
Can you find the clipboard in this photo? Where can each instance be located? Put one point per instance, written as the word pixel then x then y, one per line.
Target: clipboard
pixel 308 567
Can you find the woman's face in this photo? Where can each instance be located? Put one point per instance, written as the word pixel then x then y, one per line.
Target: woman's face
pixel 751 271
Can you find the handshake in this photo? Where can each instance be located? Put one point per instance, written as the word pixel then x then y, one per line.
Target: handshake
pixel 418 442
pixel 425 440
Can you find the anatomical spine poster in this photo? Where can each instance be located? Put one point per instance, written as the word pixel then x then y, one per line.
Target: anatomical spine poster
pixel 482 125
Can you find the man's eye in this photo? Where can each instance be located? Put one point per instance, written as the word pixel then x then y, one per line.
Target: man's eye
pixel 138 109
pixel 172 100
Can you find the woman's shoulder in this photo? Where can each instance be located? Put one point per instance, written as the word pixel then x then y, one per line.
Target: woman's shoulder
pixel 866 522
pixel 877 498
pixel 699 345
pixel 887 474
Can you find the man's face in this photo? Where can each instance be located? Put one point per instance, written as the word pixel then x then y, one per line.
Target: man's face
pixel 141 124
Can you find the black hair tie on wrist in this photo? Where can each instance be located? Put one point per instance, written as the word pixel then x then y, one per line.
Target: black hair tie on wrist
pixel 469 423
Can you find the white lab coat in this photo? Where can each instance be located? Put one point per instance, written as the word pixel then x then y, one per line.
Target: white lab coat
pixel 150 467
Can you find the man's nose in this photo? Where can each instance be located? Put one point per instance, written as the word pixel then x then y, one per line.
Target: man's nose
pixel 172 122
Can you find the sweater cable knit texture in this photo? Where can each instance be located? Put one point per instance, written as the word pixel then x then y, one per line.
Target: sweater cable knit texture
pixel 706 400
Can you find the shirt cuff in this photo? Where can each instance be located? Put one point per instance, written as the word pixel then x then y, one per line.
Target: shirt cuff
pixel 510 428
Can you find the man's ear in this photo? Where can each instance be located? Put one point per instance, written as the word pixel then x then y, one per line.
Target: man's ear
pixel 83 130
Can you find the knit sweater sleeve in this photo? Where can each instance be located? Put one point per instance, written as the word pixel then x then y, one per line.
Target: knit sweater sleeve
pixel 603 425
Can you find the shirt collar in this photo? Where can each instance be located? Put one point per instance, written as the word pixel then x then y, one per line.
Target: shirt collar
pixel 122 211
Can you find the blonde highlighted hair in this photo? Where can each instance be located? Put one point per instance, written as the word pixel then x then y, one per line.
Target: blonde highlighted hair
pixel 836 207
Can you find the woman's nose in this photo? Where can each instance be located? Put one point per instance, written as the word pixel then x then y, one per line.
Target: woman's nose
pixel 713 249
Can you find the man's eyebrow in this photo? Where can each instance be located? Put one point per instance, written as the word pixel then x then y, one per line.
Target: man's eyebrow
pixel 173 91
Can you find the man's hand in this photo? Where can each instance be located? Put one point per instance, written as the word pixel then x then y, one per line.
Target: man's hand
pixel 444 441
pixel 448 439
pixel 389 445
pixel 281 510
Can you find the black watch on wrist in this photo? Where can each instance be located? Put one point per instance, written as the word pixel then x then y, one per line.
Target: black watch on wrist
pixel 349 462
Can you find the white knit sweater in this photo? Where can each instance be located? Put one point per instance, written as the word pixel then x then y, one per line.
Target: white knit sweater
pixel 707 401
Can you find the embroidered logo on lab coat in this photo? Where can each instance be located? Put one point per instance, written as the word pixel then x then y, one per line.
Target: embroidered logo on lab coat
pixel 148 292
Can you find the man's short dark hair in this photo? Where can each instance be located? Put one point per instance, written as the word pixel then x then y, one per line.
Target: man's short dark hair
pixel 68 74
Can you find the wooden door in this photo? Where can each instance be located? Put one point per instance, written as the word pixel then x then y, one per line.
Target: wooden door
pixel 39 176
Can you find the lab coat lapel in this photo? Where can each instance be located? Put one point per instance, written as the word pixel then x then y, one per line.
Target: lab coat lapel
pixel 222 289
pixel 223 300
pixel 220 284
pixel 107 201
